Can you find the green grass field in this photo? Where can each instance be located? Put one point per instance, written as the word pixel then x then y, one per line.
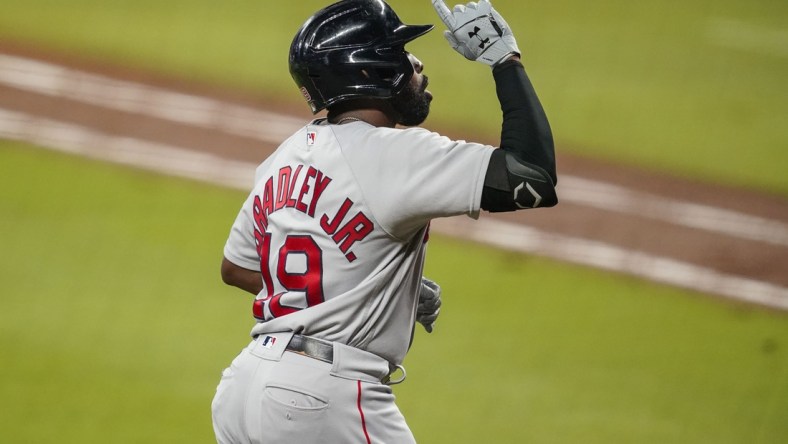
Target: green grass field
pixel 115 327
pixel 695 88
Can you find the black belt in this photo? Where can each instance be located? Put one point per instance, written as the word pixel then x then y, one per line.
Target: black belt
pixel 314 348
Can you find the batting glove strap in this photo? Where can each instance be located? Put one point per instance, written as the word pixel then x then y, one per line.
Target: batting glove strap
pixel 478 32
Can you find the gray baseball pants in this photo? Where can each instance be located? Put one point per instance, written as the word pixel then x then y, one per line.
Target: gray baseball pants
pixel 270 395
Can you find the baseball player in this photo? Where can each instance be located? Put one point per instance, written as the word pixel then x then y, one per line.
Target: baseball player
pixel 332 237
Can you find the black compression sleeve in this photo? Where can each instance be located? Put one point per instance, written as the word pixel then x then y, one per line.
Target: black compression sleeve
pixel 525 132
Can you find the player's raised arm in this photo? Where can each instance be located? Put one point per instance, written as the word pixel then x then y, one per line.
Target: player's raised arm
pixel 522 173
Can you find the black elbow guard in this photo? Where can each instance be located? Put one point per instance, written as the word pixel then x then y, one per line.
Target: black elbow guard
pixel 511 184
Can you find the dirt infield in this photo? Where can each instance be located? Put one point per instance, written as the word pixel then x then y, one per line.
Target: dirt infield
pixel 731 231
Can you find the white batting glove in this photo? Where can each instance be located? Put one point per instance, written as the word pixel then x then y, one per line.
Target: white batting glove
pixel 429 304
pixel 477 31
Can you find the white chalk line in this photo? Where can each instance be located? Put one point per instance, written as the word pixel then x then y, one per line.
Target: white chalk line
pixel 54 80
pixel 58 81
pixel 158 157
pixel 702 217
pixel 515 237
pixel 182 162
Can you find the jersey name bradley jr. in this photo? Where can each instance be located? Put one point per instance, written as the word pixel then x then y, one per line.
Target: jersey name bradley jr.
pixel 290 188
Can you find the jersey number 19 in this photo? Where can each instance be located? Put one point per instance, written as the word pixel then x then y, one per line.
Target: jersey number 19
pixel 310 281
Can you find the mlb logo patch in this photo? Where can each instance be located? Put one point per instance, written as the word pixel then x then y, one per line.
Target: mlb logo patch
pixel 310 137
pixel 269 341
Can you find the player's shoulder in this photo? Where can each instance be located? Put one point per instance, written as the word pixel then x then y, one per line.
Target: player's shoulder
pixel 360 136
pixel 405 138
pixel 415 132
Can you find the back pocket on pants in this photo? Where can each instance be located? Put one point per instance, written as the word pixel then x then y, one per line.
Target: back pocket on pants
pixel 289 414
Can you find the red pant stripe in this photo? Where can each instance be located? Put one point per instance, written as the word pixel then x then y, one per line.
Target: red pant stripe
pixel 361 412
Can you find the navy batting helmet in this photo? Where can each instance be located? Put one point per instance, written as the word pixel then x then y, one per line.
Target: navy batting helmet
pixel 352 49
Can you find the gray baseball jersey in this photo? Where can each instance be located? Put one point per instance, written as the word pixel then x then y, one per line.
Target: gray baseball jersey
pixel 337 223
